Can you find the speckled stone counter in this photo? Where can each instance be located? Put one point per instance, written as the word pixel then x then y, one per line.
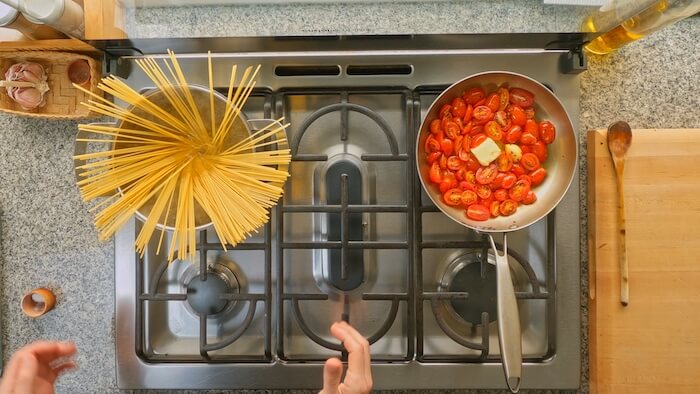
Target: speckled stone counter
pixel 47 237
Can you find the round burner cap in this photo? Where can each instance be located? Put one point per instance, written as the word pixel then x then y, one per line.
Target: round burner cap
pixel 204 295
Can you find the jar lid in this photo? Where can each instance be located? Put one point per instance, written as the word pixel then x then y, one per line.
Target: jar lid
pixel 7 14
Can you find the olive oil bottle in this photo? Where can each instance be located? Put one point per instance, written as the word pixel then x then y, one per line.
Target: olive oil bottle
pixel 624 21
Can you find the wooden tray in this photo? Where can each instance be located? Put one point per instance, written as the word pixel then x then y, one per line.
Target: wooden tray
pixel 653 344
pixel 62 100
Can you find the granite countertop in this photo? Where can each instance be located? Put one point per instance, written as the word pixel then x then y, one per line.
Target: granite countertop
pixel 47 237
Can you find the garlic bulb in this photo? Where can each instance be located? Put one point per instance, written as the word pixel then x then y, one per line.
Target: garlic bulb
pixel 26 84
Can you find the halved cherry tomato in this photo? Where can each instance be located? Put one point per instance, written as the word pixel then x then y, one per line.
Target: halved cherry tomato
pixel 478 212
pixel 454 164
pixel 517 115
pixel 504 162
pixel 476 129
pixel 470 176
pixel 530 162
pixel 495 208
pixel 483 191
pixel 469 197
pixel 521 97
pixel 482 114
pixel 448 181
pixel 530 113
pixel 486 201
pixel 496 183
pixel 464 185
pixel 526 178
pixel 443 161
pixel 518 169
pixel 459 107
pixel 477 139
pixel 525 149
pixel 433 157
pixel 435 173
pixel 493 102
pixel 527 139
pixel 472 163
pixel 540 150
pixel 538 176
pixel 468 114
pixel 500 195
pixel 480 102
pixel 513 134
pixel 508 207
pixel 530 198
pixel 486 175
pixel 532 128
pixel 447 146
pixel 547 131
pixel 493 130
pixel 435 126
pixel 474 95
pixel 503 120
pixel 519 190
pixel 463 148
pixel 509 180
pixel 504 97
pixel 452 130
pixel 431 144
pixel 453 197
pixel 444 110
pixel 445 119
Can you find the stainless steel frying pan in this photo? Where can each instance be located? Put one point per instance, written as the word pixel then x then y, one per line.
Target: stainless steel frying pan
pixel 560 166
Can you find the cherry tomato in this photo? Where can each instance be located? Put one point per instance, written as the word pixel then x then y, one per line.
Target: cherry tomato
pixel 485 175
pixel 500 195
pixel 519 190
pixel 469 197
pixel 518 169
pixel 472 163
pixel 435 126
pixel 504 96
pixel 517 115
pixel 447 146
pixel 443 161
pixel 464 185
pixel 509 180
pixel 480 102
pixel 493 101
pixel 530 113
pixel 504 162
pixel 483 191
pixel 453 197
pixel 482 114
pixel 463 148
pixel 460 173
pixel 435 173
pixel 496 183
pixel 478 212
pixel 547 131
pixel 474 95
pixel 538 176
pixel 540 150
pixel 431 144
pixel 452 130
pixel 486 201
pixel 531 127
pixel 448 182
pixel 508 207
pixel 468 113
pixel 525 178
pixel 493 130
pixel 476 129
pixel 495 209
pixel 444 110
pixel 525 149
pixel 503 120
pixel 433 157
pixel 470 176
pixel 513 134
pixel 530 162
pixel 459 107
pixel 527 139
pixel 445 119
pixel 530 198
pixel 521 97
pixel 454 164
pixel 477 139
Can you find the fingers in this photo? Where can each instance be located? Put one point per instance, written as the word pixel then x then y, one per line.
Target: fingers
pixel 358 350
pixel 332 373
pixel 47 351
pixel 26 375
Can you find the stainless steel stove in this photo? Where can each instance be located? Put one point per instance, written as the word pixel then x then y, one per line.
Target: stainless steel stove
pixel 354 238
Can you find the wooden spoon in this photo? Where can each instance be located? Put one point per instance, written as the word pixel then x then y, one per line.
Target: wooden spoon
pixel 619 140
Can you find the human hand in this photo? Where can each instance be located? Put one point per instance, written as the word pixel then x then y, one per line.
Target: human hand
pixel 358 378
pixel 34 368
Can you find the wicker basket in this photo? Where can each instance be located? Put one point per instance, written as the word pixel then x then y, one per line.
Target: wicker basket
pixel 62 100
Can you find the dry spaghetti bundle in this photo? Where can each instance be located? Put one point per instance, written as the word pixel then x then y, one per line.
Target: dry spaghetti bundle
pixel 182 157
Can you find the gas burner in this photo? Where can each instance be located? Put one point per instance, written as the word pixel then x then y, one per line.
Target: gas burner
pixel 205 291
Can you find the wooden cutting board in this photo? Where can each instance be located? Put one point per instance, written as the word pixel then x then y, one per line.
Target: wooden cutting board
pixel 652 345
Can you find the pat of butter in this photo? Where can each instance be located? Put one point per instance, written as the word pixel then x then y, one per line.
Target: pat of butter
pixel 486 152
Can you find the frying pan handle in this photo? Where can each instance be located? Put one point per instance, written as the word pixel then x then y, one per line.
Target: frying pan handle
pixel 509 338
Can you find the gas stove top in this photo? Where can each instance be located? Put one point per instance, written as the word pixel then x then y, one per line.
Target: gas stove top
pixel 353 238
